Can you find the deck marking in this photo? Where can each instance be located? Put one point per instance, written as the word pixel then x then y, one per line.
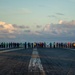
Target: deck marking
pixel 10 50
pixel 35 63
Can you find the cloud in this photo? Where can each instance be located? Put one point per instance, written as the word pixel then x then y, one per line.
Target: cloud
pixel 59 14
pixel 62 28
pixel 47 27
pixel 61 21
pixel 38 26
pixel 20 26
pixel 27 31
pixel 4 27
pixel 12 30
pixel 71 23
pixel 38 33
pixel 2 23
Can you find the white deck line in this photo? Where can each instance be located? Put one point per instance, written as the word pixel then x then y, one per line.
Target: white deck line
pixel 10 50
pixel 35 62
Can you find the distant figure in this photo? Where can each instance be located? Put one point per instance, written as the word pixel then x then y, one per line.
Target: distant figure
pixel 54 45
pixel 7 45
pixel 32 45
pixel 44 45
pixel 73 45
pixel 50 45
pixel 57 44
pixel 25 45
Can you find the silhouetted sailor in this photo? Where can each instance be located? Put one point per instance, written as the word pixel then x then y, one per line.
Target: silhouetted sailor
pixel 54 45
pixel 31 45
pixel 25 45
pixel 50 45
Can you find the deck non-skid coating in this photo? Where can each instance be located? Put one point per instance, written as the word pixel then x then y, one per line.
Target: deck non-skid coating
pixel 58 61
pixel 37 61
pixel 15 62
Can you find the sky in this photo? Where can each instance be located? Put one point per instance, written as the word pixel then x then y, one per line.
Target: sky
pixel 37 20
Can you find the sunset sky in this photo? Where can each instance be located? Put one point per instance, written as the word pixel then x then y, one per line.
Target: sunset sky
pixel 37 20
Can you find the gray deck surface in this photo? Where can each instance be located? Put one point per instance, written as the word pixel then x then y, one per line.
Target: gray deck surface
pixel 55 61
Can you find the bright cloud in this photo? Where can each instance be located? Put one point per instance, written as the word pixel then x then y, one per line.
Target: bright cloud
pixel 60 22
pixel 6 27
pixel 10 30
pixel 63 30
pixel 47 27
pixel 71 23
pixel 63 27
pixel 2 23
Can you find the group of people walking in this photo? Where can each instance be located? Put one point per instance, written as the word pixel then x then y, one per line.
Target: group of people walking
pixel 38 45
